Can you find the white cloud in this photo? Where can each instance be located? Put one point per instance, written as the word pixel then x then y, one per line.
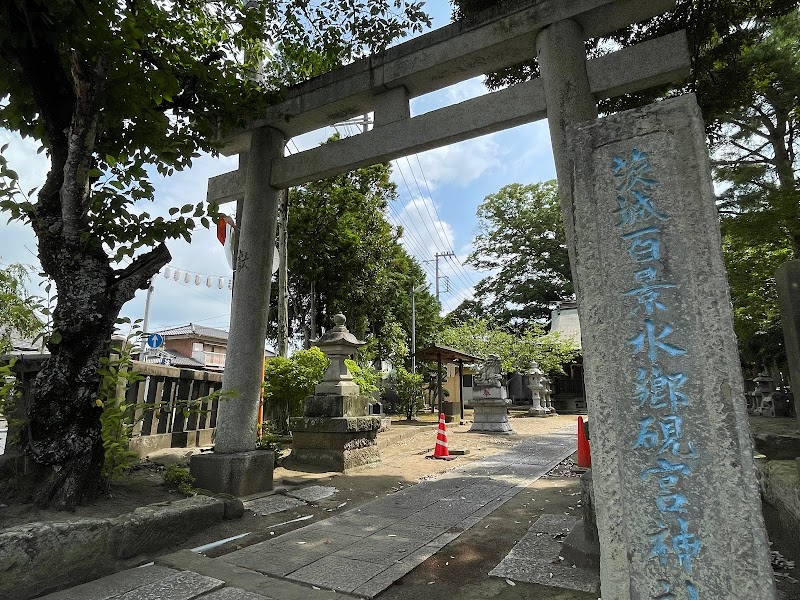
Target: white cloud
pixel 462 163
pixel 21 153
pixel 465 90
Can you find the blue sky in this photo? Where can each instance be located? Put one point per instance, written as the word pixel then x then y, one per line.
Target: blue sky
pixel 439 190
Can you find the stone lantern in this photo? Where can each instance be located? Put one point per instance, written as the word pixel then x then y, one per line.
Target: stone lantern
pixel 537 389
pixel 336 431
pixel 338 344
pixel 764 404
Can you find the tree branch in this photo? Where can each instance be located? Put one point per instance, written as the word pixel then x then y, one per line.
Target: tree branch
pixel 137 275
pixel 88 83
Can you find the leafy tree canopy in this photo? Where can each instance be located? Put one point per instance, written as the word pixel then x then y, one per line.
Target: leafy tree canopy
pixel 516 352
pixel 17 307
pixel 290 380
pixel 521 236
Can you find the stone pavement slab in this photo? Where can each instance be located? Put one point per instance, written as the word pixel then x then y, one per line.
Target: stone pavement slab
pixel 113 585
pixel 312 493
pixel 229 593
pixel 272 504
pixel 184 585
pixel 362 551
pixel 337 573
pixel 535 558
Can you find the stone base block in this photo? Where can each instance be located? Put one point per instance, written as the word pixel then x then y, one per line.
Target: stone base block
pixel 579 549
pixel 538 412
pixel 333 405
pixel 333 460
pixel 337 444
pixel 238 474
pixel 335 424
pixel 491 418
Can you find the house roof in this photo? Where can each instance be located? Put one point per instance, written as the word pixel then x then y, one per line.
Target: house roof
pixel 192 330
pixel 564 320
pixel 444 353
pixel 179 360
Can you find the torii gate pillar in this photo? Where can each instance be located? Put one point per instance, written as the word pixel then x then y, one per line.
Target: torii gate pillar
pixel 236 467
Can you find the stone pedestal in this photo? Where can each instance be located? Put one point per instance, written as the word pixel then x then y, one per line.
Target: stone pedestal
pixel 678 506
pixel 334 443
pixel 491 410
pixel 337 431
pixel 238 474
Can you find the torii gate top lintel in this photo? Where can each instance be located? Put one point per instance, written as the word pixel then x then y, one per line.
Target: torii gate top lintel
pixel 385 82
pixel 459 51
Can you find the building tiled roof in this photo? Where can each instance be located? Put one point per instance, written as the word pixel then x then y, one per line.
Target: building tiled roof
pixel 192 330
pixel 179 360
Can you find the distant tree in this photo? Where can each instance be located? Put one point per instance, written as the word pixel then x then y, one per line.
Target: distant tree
pixel 516 352
pixel 17 307
pixel 409 389
pixel 757 164
pixel 109 88
pixel 521 236
pixel 756 317
pixel 341 243
pixel 467 310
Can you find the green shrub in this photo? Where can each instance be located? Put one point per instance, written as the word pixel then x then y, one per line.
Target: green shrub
pixel 179 479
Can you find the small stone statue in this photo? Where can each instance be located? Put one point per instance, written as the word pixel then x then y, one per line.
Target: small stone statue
pixel 490 372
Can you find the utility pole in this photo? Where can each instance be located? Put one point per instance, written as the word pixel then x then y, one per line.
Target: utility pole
pixel 283 282
pixel 437 256
pixel 146 323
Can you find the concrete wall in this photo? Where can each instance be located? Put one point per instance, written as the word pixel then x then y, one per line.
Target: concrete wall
pixel 39 558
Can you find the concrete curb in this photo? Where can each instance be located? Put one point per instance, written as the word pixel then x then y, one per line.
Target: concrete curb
pixel 38 558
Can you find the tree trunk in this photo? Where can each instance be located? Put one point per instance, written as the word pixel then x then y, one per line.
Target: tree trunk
pixel 63 436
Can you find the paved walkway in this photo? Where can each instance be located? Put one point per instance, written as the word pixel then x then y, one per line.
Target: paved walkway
pixel 359 552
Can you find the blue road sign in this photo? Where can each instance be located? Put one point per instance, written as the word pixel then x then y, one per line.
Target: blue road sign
pixel 155 340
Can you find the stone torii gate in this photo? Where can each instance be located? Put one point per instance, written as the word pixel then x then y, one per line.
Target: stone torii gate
pixel 678 510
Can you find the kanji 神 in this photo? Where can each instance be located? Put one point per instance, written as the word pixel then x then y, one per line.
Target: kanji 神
pixel 686 546
pixel 658 544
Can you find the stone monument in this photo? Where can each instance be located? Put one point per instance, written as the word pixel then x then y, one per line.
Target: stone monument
pixel 336 431
pixel 678 508
pixel 536 376
pixel 490 399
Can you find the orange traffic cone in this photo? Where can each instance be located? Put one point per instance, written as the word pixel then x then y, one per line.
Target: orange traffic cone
pixel 441 450
pixel 584 454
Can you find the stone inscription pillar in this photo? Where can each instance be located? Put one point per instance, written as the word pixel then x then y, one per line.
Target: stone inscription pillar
pixel 244 362
pixel 678 508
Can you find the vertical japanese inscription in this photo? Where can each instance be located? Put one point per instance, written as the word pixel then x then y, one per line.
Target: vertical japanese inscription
pixel 658 395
